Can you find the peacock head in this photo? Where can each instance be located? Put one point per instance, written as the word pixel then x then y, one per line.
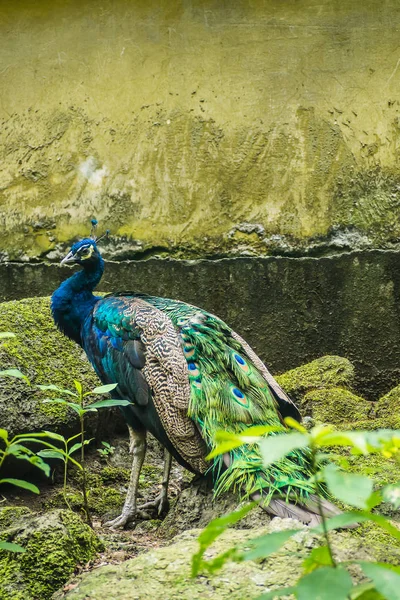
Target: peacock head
pixel 85 252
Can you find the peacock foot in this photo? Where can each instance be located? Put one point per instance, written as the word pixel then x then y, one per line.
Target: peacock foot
pixel 159 504
pixel 121 521
pixel 129 514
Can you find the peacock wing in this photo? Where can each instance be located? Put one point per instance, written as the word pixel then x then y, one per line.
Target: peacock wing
pixel 136 344
pixel 230 391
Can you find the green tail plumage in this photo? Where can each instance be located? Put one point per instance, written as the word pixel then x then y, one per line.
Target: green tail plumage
pixel 229 393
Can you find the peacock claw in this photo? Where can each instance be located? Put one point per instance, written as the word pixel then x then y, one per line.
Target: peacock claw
pixel 120 522
pixel 159 504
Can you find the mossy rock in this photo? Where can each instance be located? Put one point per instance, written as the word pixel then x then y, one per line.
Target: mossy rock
pixel 164 573
pixel 388 406
pixel 335 406
pixel 55 543
pixel 46 356
pixel 327 371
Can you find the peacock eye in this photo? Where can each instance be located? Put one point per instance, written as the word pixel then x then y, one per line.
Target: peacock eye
pixel 84 253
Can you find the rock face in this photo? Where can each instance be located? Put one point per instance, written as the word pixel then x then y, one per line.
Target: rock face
pixel 324 372
pixel 322 388
pixel 55 543
pixel 165 573
pixel 46 357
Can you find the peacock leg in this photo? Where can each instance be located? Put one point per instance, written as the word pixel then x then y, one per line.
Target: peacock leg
pixel 138 449
pixel 160 503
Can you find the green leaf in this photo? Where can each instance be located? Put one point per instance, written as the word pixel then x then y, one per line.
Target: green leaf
pixel 4 434
pixel 14 373
pixel 75 447
pixel 78 387
pixel 213 530
pixel 258 430
pixel 347 518
pixel 318 557
pixel 293 424
pixel 10 547
pixel 355 439
pixel 104 389
pixel 58 454
pixel 350 488
pixel 365 591
pixel 265 545
pixel 325 584
pixel 391 493
pixel 56 388
pixel 108 403
pixel 275 447
pixel 22 484
pixel 6 334
pixel 386 580
pixel 225 447
pixel 22 437
pixel 17 449
pixel 40 464
pixel 227 441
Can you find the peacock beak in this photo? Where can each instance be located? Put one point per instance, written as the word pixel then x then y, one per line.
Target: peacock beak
pixel 68 259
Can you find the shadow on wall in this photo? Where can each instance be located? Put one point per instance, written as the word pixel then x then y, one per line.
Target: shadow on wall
pixel 291 310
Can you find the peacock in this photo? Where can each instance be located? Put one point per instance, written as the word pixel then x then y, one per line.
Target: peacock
pixel 187 374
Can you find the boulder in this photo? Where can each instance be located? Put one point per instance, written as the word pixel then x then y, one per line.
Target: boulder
pixel 165 573
pixel 327 371
pixel 388 407
pixel 55 543
pixel 45 356
pixel 335 406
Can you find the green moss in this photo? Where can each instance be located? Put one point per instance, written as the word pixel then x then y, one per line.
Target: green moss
pixel 45 356
pixel 114 475
pixel 149 476
pixel 385 547
pixel 389 405
pixel 9 514
pixel 335 405
pixel 106 500
pixel 102 500
pixel 327 371
pixel 54 544
pixel 392 422
pixel 382 470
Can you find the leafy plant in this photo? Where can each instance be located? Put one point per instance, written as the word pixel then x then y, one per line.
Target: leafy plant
pixel 16 447
pixel 106 451
pixel 323 576
pixel 77 401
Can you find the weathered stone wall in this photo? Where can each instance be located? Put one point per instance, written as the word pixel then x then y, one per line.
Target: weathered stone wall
pixel 291 310
pixel 177 123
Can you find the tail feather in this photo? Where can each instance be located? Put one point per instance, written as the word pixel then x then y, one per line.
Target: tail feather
pixel 277 507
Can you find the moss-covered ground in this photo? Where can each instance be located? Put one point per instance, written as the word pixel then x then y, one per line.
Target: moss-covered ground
pixel 324 389
pixel 55 543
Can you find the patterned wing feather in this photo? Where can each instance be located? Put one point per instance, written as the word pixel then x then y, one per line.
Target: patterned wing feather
pixel 230 390
pixel 131 342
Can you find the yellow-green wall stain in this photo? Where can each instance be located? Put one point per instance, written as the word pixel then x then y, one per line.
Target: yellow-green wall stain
pixel 175 123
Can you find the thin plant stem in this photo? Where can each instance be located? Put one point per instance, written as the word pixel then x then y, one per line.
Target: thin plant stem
pixel 320 509
pixel 65 474
pixel 84 486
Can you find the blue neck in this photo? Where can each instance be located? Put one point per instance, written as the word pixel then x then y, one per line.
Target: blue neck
pixel 73 301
